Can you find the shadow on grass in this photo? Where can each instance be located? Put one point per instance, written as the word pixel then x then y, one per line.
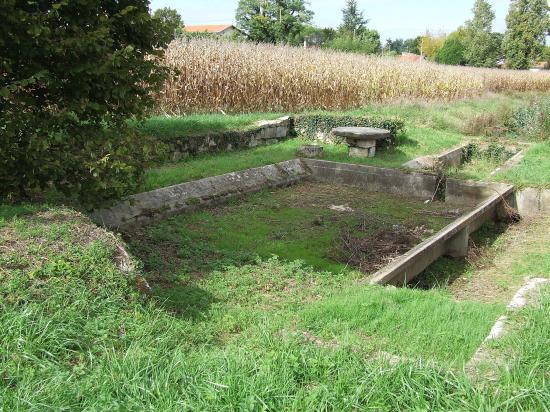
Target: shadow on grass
pixel 445 271
pixel 186 301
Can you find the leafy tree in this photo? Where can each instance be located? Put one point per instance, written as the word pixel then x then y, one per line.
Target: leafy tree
pixel 368 42
pixel 274 21
pixel 431 44
pixel 354 22
pixel 73 72
pixel 316 36
pixel 396 46
pixel 451 53
pixel 528 24
pixel 412 45
pixel 481 48
pixel 172 21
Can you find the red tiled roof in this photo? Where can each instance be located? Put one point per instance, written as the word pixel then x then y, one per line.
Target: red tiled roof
pixel 411 57
pixel 212 28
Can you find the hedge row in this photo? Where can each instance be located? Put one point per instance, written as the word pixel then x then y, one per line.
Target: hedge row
pixel 311 125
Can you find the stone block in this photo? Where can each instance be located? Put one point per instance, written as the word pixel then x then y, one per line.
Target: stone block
pixel 269 133
pixel 310 151
pixel 359 152
pixel 281 131
pixel 457 246
pixel 365 144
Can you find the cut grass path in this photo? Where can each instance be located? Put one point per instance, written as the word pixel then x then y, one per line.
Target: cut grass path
pixel 417 142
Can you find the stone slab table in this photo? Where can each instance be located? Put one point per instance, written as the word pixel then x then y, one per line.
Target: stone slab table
pixel 362 140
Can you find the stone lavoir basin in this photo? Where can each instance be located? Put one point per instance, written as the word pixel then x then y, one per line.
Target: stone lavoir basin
pixel 388 223
pixel 331 227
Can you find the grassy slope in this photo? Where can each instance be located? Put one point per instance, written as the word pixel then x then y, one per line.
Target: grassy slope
pixel 268 335
pixel 417 142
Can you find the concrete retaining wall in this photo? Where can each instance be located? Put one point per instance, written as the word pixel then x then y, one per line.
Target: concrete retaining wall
pixel 374 179
pixel 160 203
pixel 450 158
pixel 531 201
pixel 469 192
pixel 451 241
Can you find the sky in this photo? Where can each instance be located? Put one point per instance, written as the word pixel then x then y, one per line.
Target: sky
pixel 392 18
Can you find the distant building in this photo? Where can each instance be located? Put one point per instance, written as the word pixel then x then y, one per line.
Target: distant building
pixel 411 57
pixel 539 66
pixel 223 30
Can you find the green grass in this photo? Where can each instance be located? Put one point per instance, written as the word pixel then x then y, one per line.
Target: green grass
pixel 196 124
pixel 229 331
pixel 533 170
pixel 294 223
pixel 268 335
pixel 417 142
pixel 472 116
pixel 406 323
pixel 450 116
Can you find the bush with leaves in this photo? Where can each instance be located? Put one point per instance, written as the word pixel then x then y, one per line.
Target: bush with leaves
pixel 451 53
pixel 73 72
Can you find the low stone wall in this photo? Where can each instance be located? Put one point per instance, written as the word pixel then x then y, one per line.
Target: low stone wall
pixel 151 206
pixel 489 199
pixel 263 133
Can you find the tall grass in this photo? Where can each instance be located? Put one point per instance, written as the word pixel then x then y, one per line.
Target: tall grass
pixel 217 75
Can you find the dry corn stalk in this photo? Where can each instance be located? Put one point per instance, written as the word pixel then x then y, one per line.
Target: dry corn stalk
pixel 221 75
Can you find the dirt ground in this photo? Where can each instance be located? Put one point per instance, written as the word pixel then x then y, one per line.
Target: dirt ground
pixel 496 272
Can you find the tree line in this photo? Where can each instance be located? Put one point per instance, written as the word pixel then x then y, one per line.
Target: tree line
pixel 476 44
pixel 472 44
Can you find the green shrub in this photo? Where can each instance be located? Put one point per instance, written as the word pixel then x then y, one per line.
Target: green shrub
pixel 533 121
pixel 451 53
pixel 367 43
pixel 311 125
pixel 72 73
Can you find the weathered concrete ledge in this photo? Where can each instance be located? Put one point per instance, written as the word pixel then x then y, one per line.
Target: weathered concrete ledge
pixel 450 158
pixel 157 204
pixel 451 241
pixel 512 162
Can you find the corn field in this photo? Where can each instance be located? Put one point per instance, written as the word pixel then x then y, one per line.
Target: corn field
pixel 241 77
